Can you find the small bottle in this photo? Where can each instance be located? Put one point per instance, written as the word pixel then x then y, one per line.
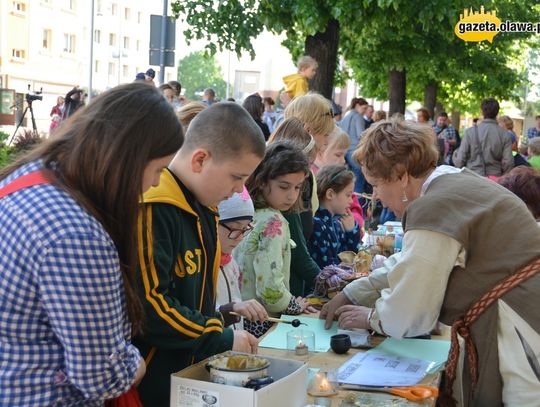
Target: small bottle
pixel 398 242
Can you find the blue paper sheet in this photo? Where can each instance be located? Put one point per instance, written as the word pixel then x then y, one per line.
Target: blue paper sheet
pixel 433 350
pixel 277 339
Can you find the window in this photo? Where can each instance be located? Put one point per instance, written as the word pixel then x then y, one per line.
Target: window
pixel 96 66
pixel 126 42
pixel 125 70
pixel 138 17
pixel 97 36
pixel 112 39
pixel 19 7
pixel 69 43
pixel 127 13
pixel 18 53
pixel 112 69
pixel 99 6
pixel 114 9
pixel 46 44
pixel 138 44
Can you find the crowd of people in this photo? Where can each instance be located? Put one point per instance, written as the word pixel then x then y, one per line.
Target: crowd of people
pixel 151 232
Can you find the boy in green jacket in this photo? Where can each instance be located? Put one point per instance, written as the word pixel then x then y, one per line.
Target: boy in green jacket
pixel 179 251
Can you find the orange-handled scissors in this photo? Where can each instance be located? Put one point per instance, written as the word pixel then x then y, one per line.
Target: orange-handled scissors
pixel 418 392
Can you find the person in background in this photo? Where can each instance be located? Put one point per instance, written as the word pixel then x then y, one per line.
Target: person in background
pixel 68 302
pixel 422 115
pixel 139 77
pixel 179 249
pixel 188 112
pixel 209 96
pixel 235 222
pixel 264 256
pixel 179 100
pixel 56 114
pixel 486 148
pixel 338 112
pixel 442 256
pixel 254 106
pixel 534 153
pixel 284 99
pixel 448 134
pixel 533 132
pixel 525 183
pixel 368 116
pixel 73 101
pixel 335 229
pixel 379 115
pixel 269 116
pixel 508 124
pixel 149 76
pixel 168 93
pixel 297 84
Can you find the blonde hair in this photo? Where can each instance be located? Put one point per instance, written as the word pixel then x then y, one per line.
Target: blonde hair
pixel 534 146
pixel 314 110
pixel 188 112
pixel 506 122
pixel 381 115
pixel 305 62
pixel 338 140
pixel 390 148
pixel 293 130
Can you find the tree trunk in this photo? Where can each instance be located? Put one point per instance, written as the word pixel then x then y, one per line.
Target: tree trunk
pixel 324 47
pixel 456 116
pixel 438 109
pixel 396 91
pixel 430 97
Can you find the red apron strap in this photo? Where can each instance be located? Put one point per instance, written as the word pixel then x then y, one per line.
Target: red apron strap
pixel 34 178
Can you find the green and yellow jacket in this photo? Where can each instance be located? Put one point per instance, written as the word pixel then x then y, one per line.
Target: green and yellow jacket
pixel 179 256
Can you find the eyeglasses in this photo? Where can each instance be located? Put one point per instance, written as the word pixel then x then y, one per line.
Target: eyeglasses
pixel 236 233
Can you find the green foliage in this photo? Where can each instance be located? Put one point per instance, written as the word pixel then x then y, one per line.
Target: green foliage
pixel 198 71
pixel 6 152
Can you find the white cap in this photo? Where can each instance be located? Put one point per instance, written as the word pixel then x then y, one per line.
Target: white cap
pixel 237 207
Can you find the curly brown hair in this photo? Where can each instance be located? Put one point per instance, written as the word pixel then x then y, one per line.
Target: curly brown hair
pixel 391 148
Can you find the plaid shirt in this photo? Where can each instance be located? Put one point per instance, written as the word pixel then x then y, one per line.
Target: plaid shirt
pixel 532 133
pixel 449 132
pixel 64 334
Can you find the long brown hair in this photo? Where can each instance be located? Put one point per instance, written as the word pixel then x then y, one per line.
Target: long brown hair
pixel 99 155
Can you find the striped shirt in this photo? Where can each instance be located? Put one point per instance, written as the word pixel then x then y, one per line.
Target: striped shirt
pixel 64 333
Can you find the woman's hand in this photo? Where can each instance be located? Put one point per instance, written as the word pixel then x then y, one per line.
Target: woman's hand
pixel 244 342
pixel 353 316
pixel 139 374
pixel 251 309
pixel 329 309
pixel 347 220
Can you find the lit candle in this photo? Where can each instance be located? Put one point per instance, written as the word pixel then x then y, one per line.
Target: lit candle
pixel 324 386
pixel 301 349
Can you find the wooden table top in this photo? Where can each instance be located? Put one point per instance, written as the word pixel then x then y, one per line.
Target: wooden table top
pixel 327 361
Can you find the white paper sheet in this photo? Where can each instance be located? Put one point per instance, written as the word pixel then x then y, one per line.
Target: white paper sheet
pixel 378 369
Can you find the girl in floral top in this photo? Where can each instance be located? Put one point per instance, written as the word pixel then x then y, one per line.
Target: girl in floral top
pixel 264 256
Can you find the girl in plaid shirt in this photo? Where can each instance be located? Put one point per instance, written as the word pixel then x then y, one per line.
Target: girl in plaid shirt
pixel 68 307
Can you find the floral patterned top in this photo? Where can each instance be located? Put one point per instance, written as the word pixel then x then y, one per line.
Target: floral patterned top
pixel 264 257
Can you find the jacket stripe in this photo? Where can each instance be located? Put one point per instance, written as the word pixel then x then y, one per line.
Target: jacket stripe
pixel 167 313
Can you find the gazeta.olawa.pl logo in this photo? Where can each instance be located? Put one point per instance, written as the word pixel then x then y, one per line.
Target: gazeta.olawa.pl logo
pixel 476 26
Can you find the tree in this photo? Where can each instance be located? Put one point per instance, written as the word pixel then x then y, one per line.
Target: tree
pixel 198 71
pixel 312 27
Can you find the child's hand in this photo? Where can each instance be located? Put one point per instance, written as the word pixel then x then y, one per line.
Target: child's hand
pixel 347 220
pixel 251 309
pixel 305 305
pixel 244 342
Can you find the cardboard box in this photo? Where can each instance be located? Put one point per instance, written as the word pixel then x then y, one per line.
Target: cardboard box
pixel 191 388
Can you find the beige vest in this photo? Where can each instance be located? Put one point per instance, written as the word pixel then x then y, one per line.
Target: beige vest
pixel 499 236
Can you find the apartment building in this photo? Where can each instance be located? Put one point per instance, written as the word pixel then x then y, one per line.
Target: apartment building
pixel 45 44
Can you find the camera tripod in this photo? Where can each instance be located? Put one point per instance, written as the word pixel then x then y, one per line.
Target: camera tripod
pixel 34 127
